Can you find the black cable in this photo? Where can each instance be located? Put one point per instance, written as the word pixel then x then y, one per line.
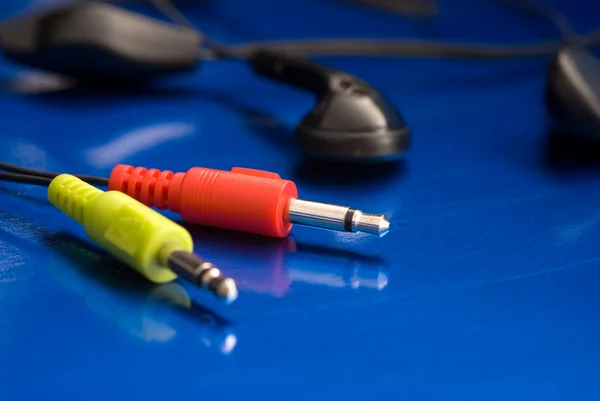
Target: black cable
pixel 24 171
pixel 25 179
pixel 558 19
pixel 394 47
pixel 168 9
pixel 414 8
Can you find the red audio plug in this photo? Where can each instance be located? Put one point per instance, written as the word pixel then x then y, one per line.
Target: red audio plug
pixel 253 201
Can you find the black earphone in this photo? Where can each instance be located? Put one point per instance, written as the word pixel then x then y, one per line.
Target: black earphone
pixel 95 43
pixel 573 92
pixel 351 120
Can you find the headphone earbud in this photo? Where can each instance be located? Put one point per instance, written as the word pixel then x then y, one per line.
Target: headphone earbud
pixel 351 121
pixel 99 42
pixel 572 94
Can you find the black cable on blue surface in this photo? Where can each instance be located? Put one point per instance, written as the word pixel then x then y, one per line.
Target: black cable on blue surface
pixel 29 172
pixel 558 19
pixel 25 179
pixel 168 9
pixel 396 47
pixel 413 8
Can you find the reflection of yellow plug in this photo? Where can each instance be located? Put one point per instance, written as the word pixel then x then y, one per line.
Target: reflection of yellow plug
pixel 140 237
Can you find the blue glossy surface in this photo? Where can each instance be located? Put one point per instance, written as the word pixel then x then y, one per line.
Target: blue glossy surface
pixel 486 288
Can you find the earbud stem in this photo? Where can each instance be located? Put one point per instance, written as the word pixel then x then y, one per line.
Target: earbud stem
pixel 299 73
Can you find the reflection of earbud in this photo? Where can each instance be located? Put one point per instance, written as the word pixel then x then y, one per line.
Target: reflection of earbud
pixel 351 120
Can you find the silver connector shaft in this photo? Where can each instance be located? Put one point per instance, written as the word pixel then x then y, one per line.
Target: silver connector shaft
pixel 203 274
pixel 339 218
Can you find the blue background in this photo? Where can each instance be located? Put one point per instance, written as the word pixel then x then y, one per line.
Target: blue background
pixel 486 287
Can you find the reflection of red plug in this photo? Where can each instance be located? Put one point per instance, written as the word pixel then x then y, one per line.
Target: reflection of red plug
pixel 254 201
pixel 256 263
pixel 271 278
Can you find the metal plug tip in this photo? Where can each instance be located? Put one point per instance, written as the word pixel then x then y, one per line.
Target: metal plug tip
pixel 203 274
pixel 384 226
pixel 227 290
pixel 375 224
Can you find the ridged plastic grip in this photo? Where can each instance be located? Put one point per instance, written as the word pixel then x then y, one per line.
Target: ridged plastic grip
pixel 71 196
pixel 247 200
pixel 132 232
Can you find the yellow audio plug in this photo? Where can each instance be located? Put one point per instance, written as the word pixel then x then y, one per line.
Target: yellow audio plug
pixel 138 236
